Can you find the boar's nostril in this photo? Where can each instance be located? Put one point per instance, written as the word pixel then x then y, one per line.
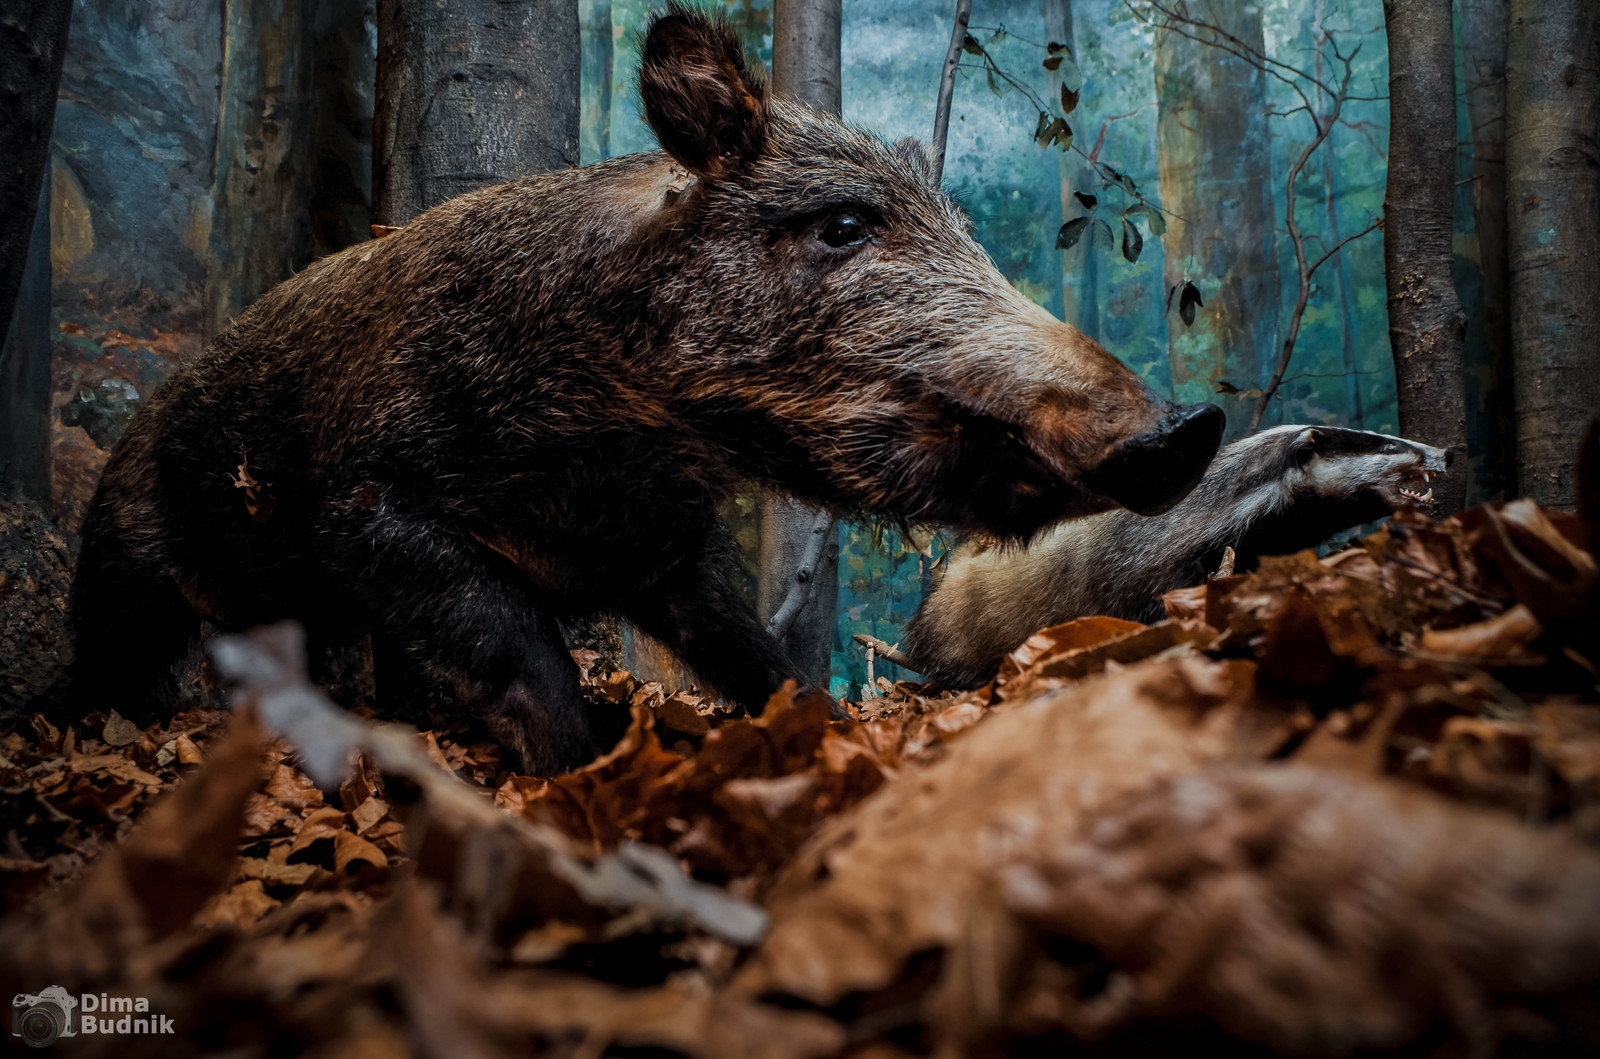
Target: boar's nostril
pixel 1151 472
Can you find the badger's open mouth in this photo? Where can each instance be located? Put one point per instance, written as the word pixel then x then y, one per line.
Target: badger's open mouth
pixel 1416 487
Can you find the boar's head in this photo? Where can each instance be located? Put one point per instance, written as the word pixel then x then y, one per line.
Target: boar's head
pixel 833 325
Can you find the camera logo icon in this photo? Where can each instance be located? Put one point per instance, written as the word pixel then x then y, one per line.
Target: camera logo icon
pixel 39 1018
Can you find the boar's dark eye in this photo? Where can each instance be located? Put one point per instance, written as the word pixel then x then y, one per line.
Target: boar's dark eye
pixel 843 229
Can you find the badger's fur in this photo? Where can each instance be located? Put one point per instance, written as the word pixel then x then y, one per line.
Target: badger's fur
pixel 1279 491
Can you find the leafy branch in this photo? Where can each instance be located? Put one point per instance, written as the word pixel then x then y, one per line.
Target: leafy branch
pixel 1323 101
pixel 1054 130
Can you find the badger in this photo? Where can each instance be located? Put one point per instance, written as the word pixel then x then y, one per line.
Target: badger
pixel 1279 491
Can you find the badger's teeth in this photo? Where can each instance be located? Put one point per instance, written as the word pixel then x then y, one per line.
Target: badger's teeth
pixel 1427 497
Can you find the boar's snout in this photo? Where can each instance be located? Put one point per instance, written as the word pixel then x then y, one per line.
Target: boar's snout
pixel 1150 472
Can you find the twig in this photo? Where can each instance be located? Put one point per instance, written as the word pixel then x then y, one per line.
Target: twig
pixel 885 651
pixel 947 86
pixel 801 588
pixel 1175 18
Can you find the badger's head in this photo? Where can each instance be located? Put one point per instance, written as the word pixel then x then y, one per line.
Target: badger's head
pixel 1338 464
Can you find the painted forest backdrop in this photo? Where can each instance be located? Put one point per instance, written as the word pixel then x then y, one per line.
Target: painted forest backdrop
pixel 202 150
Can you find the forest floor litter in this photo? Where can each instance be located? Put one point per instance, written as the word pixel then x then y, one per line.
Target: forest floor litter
pixel 1328 806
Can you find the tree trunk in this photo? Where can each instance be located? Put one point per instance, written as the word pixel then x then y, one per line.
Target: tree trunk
pixel 1553 197
pixel 1214 150
pixel 599 57
pixel 1078 302
pixel 1328 153
pixel 261 220
pixel 805 65
pixel 1483 44
pixel 471 93
pixel 25 373
pixel 1426 326
pixel 33 42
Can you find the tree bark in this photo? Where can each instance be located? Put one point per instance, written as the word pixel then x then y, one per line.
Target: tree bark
pixel 1483 45
pixel 805 65
pixel 25 373
pixel 471 93
pixel 261 220
pixel 1214 147
pixel 1427 329
pixel 1553 198
pixel 33 42
pixel 947 86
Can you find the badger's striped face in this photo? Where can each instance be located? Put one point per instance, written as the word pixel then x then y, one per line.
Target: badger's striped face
pixel 1335 461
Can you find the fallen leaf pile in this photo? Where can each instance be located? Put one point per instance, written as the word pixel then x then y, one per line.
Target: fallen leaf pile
pixel 1328 807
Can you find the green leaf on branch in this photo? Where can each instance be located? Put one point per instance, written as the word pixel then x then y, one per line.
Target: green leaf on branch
pixel 1188 302
pixel 1071 232
pixel 1121 180
pixel 993 86
pixel 1059 133
pixel 1132 241
pixel 998 35
pixel 1069 100
pixel 1152 217
pixel 1225 387
pixel 1103 239
pixel 1038 133
pixel 1089 201
pixel 970 45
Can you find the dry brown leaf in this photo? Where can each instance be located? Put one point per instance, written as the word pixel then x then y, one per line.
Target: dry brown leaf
pixel 1504 636
pixel 119 731
pixel 1274 901
pixel 239 907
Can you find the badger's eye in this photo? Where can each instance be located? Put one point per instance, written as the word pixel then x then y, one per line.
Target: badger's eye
pixel 843 229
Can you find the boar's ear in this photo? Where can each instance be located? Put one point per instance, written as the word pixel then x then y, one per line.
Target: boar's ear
pixel 704 102
pixel 914 153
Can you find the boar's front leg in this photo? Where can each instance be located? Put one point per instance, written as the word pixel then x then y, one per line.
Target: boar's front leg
pixel 697 613
pixel 463 619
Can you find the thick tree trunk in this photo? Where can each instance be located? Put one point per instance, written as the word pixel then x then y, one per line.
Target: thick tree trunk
pixel 1483 45
pixel 805 64
pixel 1214 146
pixel 261 220
pixel 25 374
pixel 33 42
pixel 1553 196
pixel 471 93
pixel 1426 326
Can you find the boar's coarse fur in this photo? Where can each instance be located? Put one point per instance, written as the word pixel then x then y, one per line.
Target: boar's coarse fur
pixel 1276 492
pixel 527 403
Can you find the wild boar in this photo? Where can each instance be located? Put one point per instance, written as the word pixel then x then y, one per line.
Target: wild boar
pixel 527 403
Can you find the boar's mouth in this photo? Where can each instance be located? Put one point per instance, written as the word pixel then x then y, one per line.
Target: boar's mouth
pixel 1007 488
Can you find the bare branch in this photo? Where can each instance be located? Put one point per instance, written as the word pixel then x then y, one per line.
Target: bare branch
pixel 947 88
pixel 800 590
pixel 885 651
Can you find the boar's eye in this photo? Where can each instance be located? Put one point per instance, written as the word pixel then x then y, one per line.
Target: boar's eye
pixel 843 229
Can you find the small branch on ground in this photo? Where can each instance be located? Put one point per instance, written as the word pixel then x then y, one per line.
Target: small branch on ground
pixel 884 651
